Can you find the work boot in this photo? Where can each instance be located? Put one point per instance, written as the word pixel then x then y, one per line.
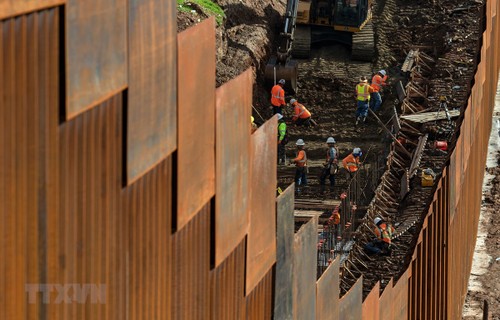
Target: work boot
pixel 364 119
pixel 357 120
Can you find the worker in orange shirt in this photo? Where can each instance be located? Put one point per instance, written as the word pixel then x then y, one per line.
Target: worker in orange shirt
pixel 352 162
pixel 278 97
pixel 362 93
pixel 301 165
pixel 301 116
pixel 378 81
pixel 384 232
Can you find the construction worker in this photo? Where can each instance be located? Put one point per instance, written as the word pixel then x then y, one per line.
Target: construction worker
pixel 384 232
pixel 378 81
pixel 253 125
pixel 278 97
pixel 363 91
pixel 282 139
pixel 301 165
pixel 301 116
pixel 352 162
pixel 330 166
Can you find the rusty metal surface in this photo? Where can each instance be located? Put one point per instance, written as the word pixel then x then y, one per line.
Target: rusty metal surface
pixel 385 302
pixel 196 119
pixel 152 79
pixel 28 138
pixel 227 287
pixel 96 52
pixel 261 239
pixel 11 8
pixel 283 284
pixel 351 303
pixel 327 292
pixel 233 105
pixel 304 264
pixel 259 302
pixel 191 266
pixel 371 306
pixel 400 298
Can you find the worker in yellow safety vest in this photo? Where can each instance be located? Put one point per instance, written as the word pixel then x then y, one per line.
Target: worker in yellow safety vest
pixel 362 93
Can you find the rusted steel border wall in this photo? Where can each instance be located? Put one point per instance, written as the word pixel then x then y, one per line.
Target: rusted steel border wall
pixel 118 203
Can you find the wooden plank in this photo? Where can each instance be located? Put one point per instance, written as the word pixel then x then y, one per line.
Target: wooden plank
pixel 152 94
pixel 11 8
pixel 96 52
pixel 261 243
pixel 196 140
pixel 232 163
pixel 431 116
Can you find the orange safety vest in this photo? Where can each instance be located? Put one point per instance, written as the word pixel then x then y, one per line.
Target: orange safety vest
pixel 378 82
pixel 300 112
pixel 384 232
pixel 277 96
pixel 301 159
pixel 351 163
pixel 363 91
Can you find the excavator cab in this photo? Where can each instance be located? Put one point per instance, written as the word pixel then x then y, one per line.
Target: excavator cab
pixel 351 15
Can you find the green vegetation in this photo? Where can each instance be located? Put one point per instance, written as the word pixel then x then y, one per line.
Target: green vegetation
pixel 209 7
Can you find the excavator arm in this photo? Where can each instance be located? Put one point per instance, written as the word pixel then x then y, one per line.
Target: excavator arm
pixel 281 66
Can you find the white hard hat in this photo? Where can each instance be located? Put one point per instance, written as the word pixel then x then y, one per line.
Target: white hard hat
pixel 356 151
pixel 282 81
pixel 292 101
pixel 382 72
pixel 377 220
pixel 300 142
pixel 330 140
pixel 280 116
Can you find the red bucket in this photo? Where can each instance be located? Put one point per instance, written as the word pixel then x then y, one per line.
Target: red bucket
pixel 441 145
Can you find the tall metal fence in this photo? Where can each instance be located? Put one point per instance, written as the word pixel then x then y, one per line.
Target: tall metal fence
pixel 124 197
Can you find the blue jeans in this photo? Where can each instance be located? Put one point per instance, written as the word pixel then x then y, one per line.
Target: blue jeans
pixel 375 101
pixel 277 110
pixel 362 110
pixel 300 177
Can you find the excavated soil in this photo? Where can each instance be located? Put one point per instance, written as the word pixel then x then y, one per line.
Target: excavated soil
pixel 447 30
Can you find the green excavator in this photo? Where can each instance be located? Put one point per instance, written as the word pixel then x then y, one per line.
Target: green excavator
pixel 308 22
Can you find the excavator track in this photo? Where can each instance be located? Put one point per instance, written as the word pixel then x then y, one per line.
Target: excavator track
pixel 363 44
pixel 301 46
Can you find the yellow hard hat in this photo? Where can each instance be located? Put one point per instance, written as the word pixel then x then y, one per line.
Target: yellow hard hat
pixel 252 119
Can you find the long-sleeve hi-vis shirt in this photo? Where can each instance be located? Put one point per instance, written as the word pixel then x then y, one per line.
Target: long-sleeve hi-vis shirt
pixel 384 232
pixel 351 163
pixel 300 112
pixel 278 96
pixel 378 82
pixel 281 131
pixel 301 159
pixel 363 91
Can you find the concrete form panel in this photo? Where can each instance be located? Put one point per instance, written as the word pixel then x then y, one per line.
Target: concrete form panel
pixel 196 119
pixel 11 8
pixel 233 105
pixel 96 52
pixel 371 306
pixel 191 269
pixel 261 240
pixel 327 293
pixel 283 285
pixel 152 98
pixel 304 271
pixel 351 304
pixel 227 287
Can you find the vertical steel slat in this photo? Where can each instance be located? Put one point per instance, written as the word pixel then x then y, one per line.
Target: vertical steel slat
pixel 196 119
pixel 232 163
pixel 152 78
pixel 386 301
pixel 400 297
pixel 351 304
pixel 371 305
pixel 12 8
pixel 94 73
pixel 304 264
pixel 259 301
pixel 327 292
pixel 261 239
